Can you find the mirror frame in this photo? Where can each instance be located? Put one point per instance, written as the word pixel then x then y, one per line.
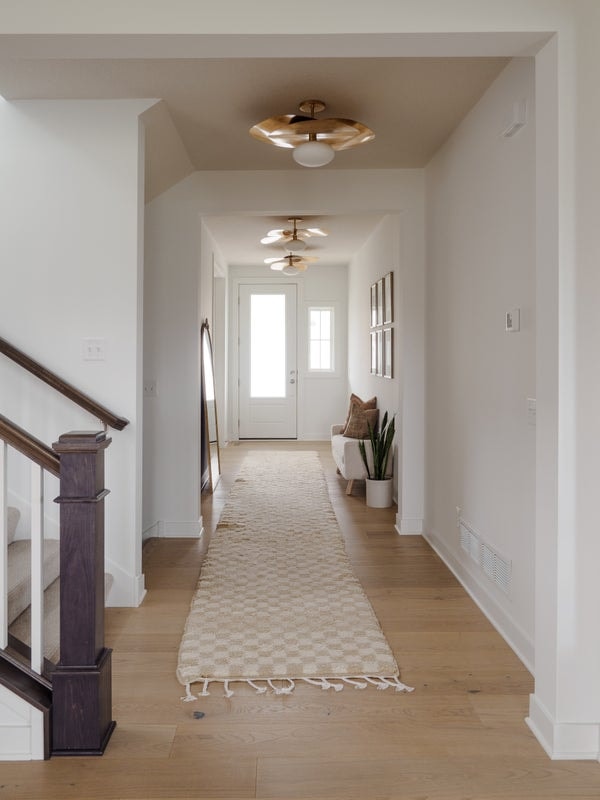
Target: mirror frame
pixel 210 456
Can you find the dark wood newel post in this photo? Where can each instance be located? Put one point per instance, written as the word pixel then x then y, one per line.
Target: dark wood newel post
pixel 81 683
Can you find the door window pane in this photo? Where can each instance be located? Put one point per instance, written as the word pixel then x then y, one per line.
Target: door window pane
pixel 267 345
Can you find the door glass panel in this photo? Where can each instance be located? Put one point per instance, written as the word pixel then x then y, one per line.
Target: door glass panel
pixel 267 345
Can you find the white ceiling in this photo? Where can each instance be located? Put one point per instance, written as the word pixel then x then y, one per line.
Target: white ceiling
pixel 239 237
pixel 412 104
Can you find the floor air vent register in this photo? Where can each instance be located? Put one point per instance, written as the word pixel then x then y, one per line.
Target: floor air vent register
pixel 497 568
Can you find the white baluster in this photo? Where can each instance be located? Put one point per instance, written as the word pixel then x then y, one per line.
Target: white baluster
pixel 37 568
pixel 3 548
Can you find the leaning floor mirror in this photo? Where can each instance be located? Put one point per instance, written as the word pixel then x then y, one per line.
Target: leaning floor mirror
pixel 210 461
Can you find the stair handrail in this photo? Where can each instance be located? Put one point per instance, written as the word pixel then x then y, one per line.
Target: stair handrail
pixel 29 446
pixel 68 390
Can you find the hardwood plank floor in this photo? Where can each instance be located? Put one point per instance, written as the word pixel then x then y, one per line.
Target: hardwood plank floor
pixel 461 734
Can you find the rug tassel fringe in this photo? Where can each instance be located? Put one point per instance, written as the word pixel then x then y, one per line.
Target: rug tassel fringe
pixel 189 697
pixel 356 684
pixel 322 682
pixel 380 683
pixel 259 689
pixel 402 687
pixel 282 689
pixel 337 684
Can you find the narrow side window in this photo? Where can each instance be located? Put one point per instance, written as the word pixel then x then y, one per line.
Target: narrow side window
pixel 320 339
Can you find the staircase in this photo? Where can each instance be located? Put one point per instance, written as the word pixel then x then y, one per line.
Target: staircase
pixel 55 672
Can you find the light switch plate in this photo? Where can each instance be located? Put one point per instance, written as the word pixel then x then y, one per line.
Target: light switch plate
pixel 93 349
pixel 513 320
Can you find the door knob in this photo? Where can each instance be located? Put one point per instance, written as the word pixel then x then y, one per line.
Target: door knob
pixel 292 380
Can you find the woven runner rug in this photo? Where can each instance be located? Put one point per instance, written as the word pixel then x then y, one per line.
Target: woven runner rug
pixel 277 601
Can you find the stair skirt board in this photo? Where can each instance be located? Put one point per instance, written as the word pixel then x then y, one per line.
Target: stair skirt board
pixel 21 729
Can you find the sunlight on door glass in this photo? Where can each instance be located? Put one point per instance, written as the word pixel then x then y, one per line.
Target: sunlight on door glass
pixel 267 345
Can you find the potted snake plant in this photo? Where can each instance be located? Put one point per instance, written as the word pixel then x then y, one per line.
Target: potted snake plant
pixel 379 481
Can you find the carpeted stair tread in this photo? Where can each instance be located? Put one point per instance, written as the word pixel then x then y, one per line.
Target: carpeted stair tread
pixel 19 573
pixel 21 627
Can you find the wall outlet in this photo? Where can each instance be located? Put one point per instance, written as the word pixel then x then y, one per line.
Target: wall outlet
pixel 149 387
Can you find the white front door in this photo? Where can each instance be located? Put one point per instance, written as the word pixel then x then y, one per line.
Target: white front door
pixel 267 359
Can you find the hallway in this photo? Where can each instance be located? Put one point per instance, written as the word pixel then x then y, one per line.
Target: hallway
pixel 460 734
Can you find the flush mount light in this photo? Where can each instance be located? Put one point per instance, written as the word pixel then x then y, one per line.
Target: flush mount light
pixel 290 264
pixel 313 140
pixel 292 238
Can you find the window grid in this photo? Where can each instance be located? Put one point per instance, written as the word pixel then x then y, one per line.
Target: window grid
pixel 320 339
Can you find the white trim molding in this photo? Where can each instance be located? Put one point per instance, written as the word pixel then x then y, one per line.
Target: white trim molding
pixel 181 530
pixel 563 740
pixel 409 526
pixel 21 729
pixel 125 590
pixel 163 529
pixel 510 631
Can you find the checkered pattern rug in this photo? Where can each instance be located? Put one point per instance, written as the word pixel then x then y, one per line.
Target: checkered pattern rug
pixel 277 600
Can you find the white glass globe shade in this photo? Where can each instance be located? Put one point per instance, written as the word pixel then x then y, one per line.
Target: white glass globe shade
pixel 290 270
pixel 295 245
pixel 313 154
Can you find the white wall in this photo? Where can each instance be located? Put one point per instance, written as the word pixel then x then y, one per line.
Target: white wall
pixel 481 264
pixel 396 245
pixel 178 253
pixel 171 359
pixel 69 199
pixel 323 398
pixel 379 255
pixel 566 705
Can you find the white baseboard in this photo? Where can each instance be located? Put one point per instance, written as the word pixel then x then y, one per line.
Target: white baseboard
pixel 184 530
pixel 510 631
pixel 126 591
pixel 163 529
pixel 407 526
pixel 563 741
pixel 152 532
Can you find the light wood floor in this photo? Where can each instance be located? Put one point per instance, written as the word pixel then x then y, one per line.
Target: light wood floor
pixel 459 735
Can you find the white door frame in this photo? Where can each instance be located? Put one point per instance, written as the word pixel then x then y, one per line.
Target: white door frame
pixel 236 278
pixel 268 417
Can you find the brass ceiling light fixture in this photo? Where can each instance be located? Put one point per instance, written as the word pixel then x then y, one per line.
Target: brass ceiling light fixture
pixel 293 238
pixel 313 140
pixel 290 264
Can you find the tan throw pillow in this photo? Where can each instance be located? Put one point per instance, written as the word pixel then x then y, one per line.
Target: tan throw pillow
pixel 364 405
pixel 359 422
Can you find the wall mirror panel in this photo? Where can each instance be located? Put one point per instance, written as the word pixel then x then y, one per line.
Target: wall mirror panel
pixel 210 460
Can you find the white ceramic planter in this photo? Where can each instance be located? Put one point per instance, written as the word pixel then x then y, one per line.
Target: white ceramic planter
pixel 379 493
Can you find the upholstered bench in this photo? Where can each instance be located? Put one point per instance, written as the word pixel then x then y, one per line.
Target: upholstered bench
pixel 347 456
pixel 363 416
